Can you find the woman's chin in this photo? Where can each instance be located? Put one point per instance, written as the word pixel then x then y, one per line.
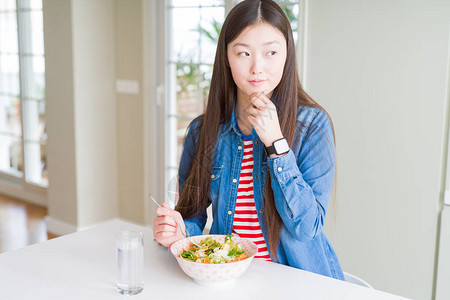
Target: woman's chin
pixel 254 92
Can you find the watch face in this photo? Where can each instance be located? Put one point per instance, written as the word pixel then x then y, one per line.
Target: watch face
pixel 281 146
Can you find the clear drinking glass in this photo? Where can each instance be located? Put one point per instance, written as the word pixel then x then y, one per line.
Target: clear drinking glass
pixel 130 262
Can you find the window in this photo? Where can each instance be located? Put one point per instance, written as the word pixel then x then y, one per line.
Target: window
pixel 193 29
pixel 22 92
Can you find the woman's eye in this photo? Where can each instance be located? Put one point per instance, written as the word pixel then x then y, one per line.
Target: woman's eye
pixel 243 54
pixel 271 53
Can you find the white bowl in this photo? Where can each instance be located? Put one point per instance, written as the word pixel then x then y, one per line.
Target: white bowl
pixel 212 274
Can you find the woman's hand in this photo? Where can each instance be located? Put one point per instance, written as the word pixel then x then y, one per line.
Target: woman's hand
pixel 165 229
pixel 264 118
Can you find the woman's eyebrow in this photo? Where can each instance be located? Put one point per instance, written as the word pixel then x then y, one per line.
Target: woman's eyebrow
pixel 265 44
pixel 271 42
pixel 241 44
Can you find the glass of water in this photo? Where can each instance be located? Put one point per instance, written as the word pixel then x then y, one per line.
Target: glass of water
pixel 130 262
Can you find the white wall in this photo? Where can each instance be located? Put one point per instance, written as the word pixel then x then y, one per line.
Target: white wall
pixel 95 109
pixel 130 110
pixel 62 196
pixel 81 117
pixel 379 67
pixel 100 141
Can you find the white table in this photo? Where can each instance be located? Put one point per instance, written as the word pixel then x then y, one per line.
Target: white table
pixel 82 266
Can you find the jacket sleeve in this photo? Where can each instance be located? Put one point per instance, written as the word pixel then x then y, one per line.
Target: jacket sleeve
pixel 302 183
pixel 196 224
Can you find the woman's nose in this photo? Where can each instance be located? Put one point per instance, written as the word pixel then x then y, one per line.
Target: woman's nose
pixel 257 66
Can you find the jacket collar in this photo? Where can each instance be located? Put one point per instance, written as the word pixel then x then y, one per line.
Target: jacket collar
pixel 232 124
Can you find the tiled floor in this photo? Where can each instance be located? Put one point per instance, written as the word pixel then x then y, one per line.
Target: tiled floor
pixel 21 224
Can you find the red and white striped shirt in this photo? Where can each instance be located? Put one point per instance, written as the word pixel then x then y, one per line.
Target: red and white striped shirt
pixel 245 222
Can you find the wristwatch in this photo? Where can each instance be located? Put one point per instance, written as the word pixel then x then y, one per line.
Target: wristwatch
pixel 279 147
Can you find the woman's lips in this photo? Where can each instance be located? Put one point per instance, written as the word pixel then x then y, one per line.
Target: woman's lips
pixel 256 82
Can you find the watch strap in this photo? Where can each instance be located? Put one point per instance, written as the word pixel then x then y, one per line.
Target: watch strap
pixel 270 150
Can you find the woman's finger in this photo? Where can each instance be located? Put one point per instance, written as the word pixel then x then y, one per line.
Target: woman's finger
pixel 263 97
pixel 166 234
pixel 169 211
pixel 164 220
pixel 253 121
pixel 253 95
pixel 254 112
pixel 163 211
pixel 165 228
pixel 164 240
pixel 166 214
pixel 257 102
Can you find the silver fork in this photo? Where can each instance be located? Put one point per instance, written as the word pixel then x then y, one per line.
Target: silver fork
pixel 186 233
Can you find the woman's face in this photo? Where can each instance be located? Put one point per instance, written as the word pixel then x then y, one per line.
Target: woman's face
pixel 256 59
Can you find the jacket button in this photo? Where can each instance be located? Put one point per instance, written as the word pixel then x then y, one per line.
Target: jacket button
pixel 256 176
pixel 212 176
pixel 257 142
pixel 280 169
pixel 261 211
pixel 230 212
pixel 239 147
pixel 234 180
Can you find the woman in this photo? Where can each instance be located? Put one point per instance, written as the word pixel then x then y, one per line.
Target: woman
pixel 263 153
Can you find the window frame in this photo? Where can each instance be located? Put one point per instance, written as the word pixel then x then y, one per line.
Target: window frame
pixel 10 184
pixel 8 178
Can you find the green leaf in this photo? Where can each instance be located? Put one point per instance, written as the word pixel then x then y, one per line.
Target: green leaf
pixel 188 255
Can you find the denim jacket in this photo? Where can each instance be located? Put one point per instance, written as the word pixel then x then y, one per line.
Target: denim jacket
pixel 301 181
